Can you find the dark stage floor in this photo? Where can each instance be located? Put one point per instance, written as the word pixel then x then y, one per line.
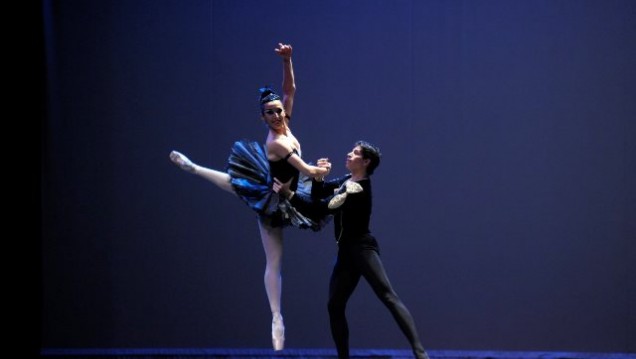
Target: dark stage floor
pixel 186 353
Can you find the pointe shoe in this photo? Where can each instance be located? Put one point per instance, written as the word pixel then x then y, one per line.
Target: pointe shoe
pixel 278 332
pixel 182 161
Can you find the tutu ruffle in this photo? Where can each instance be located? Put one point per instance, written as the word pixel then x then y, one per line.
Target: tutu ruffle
pixel 250 177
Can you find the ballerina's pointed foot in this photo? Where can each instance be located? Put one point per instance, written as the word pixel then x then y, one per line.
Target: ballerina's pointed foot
pixel 182 161
pixel 278 332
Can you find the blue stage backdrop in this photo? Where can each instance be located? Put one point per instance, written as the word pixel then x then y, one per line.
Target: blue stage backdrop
pixel 504 205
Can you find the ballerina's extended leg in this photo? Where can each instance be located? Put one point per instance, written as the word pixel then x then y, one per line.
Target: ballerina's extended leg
pixel 219 178
pixel 183 162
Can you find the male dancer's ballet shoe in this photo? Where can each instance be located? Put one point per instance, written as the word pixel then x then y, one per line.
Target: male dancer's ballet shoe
pixel 278 332
pixel 345 189
pixel 182 161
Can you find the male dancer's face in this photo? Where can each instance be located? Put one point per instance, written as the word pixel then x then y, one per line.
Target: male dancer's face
pixel 355 162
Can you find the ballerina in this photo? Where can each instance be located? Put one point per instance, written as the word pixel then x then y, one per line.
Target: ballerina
pixel 251 168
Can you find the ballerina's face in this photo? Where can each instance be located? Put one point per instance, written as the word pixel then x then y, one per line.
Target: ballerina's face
pixel 273 114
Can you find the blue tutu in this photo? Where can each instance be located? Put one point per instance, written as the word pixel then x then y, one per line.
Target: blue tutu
pixel 250 177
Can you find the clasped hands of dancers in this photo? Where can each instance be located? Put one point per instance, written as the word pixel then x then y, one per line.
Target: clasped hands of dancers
pixel 266 178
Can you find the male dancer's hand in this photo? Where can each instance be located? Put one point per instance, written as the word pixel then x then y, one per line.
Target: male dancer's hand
pixel 282 188
pixel 324 163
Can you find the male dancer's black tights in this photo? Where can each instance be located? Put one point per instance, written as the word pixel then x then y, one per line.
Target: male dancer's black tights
pixel 354 261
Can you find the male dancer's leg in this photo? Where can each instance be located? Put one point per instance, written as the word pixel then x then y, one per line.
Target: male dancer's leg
pixel 373 271
pixel 344 279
